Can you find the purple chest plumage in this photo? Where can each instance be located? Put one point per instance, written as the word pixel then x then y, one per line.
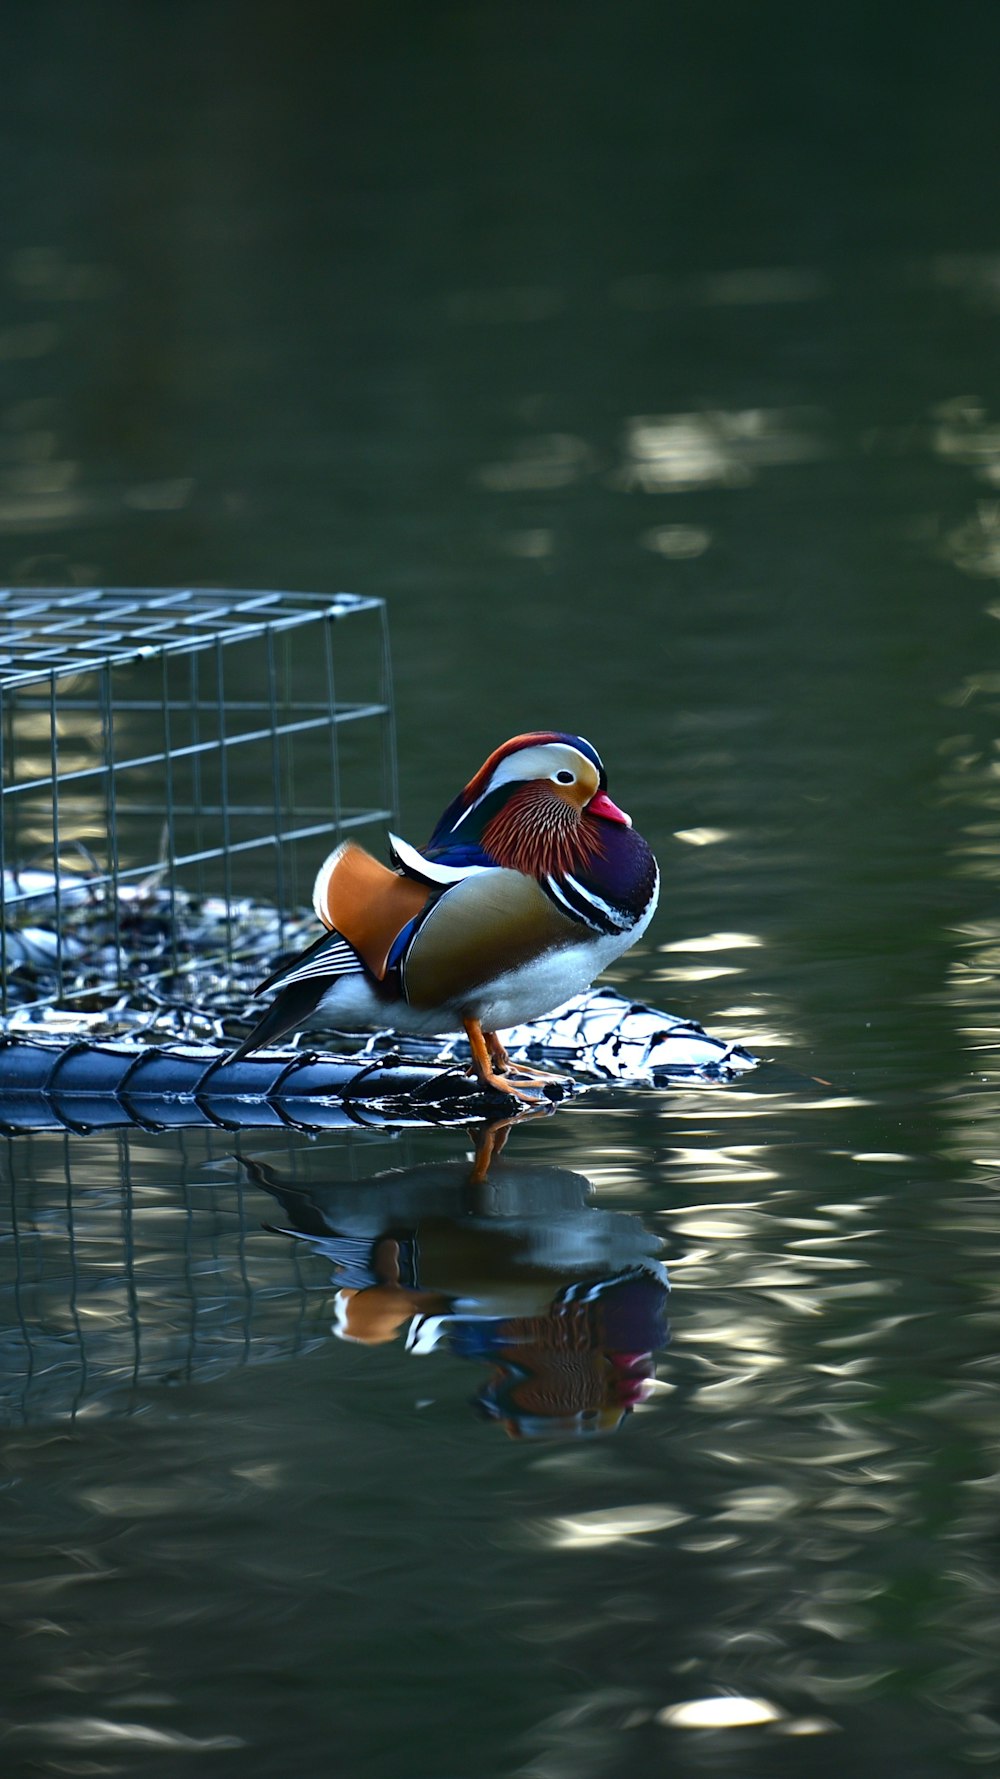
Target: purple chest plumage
pixel 614 887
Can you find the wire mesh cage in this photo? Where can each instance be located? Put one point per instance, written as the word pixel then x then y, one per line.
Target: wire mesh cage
pixel 174 763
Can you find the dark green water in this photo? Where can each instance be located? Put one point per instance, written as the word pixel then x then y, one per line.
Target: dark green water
pixel 645 359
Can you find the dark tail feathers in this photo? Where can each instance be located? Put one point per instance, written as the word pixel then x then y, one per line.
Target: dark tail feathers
pixel 287 1011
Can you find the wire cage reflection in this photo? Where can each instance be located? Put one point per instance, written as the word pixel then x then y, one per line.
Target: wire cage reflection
pixel 115 1276
pixel 175 759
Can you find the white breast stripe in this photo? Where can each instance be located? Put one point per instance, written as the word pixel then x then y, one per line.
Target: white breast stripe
pixel 427 869
pixel 574 913
pixel 620 920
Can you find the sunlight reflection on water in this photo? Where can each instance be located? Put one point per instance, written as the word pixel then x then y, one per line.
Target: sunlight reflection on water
pixel 786 1457
pixel 666 452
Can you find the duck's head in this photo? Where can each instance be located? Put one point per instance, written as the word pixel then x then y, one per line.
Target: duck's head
pixel 543 764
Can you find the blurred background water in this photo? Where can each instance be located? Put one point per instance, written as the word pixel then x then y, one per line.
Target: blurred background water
pixel 645 359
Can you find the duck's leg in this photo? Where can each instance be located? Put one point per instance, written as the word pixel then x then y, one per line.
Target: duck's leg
pixel 502 1064
pixel 483 1063
pixel 492 1138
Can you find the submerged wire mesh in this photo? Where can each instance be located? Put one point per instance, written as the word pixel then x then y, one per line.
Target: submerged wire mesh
pixel 160 750
pixel 94 1304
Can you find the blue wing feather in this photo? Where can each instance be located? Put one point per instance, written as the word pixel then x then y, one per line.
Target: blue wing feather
pixel 460 852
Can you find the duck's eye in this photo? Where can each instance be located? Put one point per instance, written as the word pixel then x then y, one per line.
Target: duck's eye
pixel 564 777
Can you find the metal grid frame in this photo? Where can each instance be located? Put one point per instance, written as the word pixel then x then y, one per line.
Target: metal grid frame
pixel 160 734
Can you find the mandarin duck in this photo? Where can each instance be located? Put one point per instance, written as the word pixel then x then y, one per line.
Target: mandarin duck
pixel 532 881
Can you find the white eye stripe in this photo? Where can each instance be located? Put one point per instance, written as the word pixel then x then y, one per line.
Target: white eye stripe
pixel 533 763
pixel 541 761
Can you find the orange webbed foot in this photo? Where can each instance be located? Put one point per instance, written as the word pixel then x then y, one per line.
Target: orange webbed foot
pixel 488 1058
pixel 502 1064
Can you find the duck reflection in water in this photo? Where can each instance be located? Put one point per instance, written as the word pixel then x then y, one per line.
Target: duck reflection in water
pixel 500 1262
